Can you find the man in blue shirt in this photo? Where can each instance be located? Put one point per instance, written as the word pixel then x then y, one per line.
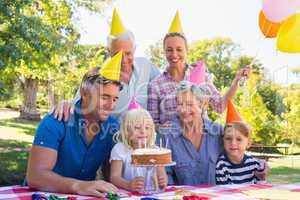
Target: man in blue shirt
pixel 66 154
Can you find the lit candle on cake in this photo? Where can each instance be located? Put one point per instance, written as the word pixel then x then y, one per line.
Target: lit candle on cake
pixel 167 140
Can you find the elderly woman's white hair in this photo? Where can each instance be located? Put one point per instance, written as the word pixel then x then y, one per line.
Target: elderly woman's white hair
pixel 200 91
pixel 128 35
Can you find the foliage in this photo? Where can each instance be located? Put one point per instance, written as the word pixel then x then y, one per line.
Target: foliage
pixel 93 5
pixel 272 98
pixel 38 41
pixel 36 37
pixel 292 116
pixel 34 34
pixel 156 54
pixel 217 53
pixel 296 70
pixel 266 128
pixel 83 58
pixel 222 58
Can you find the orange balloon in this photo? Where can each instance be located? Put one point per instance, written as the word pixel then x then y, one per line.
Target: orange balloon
pixel 269 29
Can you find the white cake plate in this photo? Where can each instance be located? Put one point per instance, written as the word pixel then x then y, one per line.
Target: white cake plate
pixel 156 165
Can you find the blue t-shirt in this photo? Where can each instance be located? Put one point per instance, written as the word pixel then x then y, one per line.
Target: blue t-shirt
pixel 75 157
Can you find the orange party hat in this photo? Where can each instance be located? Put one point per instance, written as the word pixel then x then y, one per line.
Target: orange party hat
pixel 232 113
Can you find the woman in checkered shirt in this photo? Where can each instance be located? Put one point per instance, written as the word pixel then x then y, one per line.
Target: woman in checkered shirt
pixel 161 90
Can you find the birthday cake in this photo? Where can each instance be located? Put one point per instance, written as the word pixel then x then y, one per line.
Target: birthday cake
pixel 151 156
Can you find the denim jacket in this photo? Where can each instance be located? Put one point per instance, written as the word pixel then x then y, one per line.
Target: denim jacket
pixel 193 167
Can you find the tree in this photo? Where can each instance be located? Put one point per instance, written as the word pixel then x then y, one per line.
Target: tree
pixel 218 53
pixel 292 117
pixel 35 36
pixel 270 93
pixel 36 40
pixel 92 5
pixel 267 127
pixel 296 70
pixel 156 54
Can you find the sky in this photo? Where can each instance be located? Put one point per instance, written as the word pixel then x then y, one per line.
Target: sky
pixel 149 20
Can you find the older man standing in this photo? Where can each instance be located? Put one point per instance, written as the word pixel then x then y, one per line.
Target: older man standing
pixel 136 72
pixel 66 155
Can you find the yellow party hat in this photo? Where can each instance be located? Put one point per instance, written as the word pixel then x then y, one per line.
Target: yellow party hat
pixel 117 26
pixel 112 67
pixel 176 24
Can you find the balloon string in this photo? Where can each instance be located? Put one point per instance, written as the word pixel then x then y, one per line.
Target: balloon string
pixel 244 78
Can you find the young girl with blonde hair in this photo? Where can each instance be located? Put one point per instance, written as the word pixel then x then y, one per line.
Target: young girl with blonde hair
pixel 137 131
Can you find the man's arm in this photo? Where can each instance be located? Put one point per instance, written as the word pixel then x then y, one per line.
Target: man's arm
pixel 105 169
pixel 40 176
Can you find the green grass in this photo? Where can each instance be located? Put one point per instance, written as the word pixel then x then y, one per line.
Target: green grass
pixel 15 140
pixel 285 170
pixel 284 175
pixel 19 126
pixel 13 158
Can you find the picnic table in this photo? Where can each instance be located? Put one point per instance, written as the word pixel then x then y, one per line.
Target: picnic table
pixel 229 192
pixel 265 148
pixel 263 151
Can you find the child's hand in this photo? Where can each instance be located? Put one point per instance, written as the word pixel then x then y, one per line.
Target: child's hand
pixel 262 175
pixel 137 184
pixel 162 181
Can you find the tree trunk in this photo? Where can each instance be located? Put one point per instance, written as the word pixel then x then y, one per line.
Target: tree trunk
pixel 28 110
pixel 51 96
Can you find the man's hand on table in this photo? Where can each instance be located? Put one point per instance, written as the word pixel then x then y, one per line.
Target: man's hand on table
pixel 93 188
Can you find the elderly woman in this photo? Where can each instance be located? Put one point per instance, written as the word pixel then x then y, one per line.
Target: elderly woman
pixel 195 142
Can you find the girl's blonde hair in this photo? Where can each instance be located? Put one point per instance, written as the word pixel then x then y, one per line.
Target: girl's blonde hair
pixel 130 119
